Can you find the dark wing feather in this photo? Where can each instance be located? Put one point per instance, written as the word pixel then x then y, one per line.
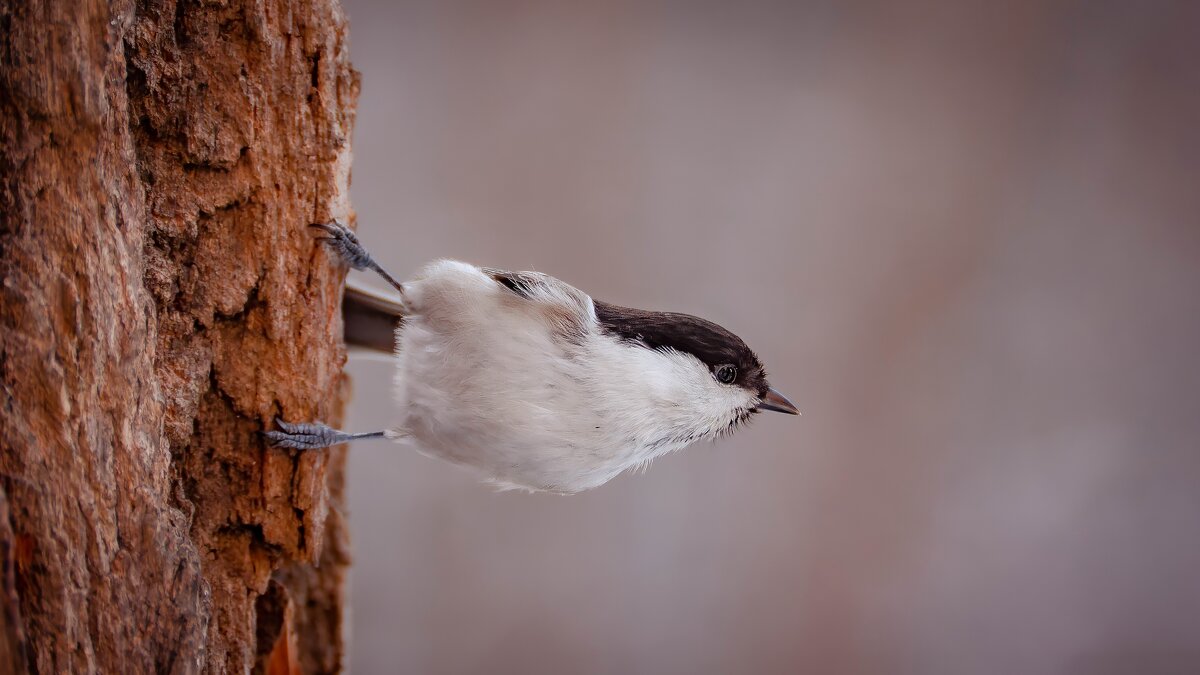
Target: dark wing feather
pixel 370 318
pixel 523 284
pixel 566 308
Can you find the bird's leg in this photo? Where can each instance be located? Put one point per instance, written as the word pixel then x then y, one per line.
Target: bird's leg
pixel 309 436
pixel 343 242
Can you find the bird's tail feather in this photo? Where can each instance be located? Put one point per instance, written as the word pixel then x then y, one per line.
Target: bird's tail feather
pixel 370 317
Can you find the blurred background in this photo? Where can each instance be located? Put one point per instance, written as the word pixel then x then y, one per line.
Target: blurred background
pixel 964 238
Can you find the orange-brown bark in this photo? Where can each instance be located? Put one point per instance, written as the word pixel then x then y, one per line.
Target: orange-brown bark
pixel 161 301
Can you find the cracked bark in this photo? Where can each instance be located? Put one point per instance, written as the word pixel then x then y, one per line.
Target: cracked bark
pixel 161 301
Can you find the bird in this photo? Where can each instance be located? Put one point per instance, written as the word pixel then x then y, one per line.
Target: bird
pixel 531 382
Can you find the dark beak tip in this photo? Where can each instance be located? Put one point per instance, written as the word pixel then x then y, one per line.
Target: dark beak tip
pixel 777 402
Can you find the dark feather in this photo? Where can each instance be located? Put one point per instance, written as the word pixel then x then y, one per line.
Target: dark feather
pixel 521 283
pixel 713 345
pixel 370 319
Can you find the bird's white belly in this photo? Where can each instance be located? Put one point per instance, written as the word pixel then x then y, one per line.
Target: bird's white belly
pixel 519 425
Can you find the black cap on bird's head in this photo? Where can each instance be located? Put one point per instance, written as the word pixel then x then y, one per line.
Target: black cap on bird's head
pixel 731 361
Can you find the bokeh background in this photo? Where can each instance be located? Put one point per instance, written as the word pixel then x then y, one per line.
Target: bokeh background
pixel 965 239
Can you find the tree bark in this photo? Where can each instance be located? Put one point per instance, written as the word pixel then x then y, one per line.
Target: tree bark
pixel 160 302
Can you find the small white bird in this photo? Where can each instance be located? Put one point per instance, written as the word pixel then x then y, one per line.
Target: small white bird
pixel 534 384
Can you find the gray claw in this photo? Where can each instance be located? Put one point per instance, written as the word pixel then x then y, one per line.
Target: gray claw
pixel 289 428
pixel 304 436
pixel 343 242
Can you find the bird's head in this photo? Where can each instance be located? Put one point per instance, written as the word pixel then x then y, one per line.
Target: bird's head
pixel 707 377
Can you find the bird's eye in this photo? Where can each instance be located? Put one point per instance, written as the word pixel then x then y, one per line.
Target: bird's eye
pixel 726 374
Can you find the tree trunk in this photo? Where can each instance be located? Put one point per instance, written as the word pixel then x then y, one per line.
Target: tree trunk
pixel 161 300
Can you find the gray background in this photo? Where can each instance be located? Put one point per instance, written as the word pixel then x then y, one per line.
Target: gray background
pixel 964 239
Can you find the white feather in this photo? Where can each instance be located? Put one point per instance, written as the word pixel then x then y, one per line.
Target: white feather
pixel 495 381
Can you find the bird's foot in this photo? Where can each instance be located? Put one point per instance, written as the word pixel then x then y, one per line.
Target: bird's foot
pixel 305 436
pixel 342 241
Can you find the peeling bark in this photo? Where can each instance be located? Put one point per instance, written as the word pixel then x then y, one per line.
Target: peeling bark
pixel 161 301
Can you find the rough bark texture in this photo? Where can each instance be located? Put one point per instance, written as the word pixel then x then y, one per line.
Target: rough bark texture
pixel 161 302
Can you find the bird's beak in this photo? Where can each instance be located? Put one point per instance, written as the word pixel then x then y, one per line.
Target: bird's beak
pixel 773 400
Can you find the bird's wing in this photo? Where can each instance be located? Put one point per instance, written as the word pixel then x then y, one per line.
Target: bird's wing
pixel 528 285
pixel 568 309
